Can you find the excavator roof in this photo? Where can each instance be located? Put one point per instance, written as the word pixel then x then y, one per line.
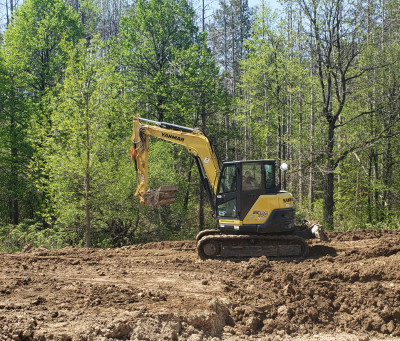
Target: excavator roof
pixel 270 161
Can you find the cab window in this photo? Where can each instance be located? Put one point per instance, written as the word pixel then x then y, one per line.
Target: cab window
pixel 269 171
pixel 227 209
pixel 228 179
pixel 251 177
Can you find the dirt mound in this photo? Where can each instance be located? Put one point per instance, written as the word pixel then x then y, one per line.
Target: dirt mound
pixel 348 288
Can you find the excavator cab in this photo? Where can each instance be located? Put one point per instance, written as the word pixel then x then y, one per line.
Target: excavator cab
pixel 255 217
pixel 240 185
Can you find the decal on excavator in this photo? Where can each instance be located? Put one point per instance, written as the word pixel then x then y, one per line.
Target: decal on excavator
pixel 178 138
pixel 261 213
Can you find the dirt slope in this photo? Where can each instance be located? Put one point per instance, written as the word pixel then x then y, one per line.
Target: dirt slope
pixel 348 289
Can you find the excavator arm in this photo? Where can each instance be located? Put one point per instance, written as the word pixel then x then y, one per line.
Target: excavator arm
pixel 195 142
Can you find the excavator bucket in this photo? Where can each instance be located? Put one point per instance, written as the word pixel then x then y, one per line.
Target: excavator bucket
pixel 310 229
pixel 163 196
pixel 317 230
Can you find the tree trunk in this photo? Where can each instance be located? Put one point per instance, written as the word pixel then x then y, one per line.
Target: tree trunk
pixel 201 207
pixel 203 115
pixel 329 176
pixel 299 155
pixel 9 11
pixel 14 173
pixel 87 190
pixel 189 180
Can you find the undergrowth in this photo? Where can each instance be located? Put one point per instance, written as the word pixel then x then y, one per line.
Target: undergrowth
pixel 15 238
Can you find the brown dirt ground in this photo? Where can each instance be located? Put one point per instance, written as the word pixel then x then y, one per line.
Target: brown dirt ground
pixel 348 289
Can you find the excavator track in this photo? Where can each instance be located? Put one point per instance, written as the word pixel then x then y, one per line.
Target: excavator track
pixel 208 232
pixel 212 245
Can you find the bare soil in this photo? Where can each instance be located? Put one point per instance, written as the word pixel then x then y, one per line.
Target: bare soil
pixel 348 289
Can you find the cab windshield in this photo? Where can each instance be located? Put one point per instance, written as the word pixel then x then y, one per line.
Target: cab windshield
pixel 258 176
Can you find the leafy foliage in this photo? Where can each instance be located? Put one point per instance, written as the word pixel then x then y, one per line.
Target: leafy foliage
pixel 82 160
pixel 151 36
pixel 315 85
pixel 16 237
pixel 37 42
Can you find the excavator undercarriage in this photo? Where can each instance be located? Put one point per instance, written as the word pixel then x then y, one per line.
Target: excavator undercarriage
pixel 247 246
pixel 213 244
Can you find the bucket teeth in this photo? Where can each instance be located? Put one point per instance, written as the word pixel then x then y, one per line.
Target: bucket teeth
pixel 316 229
pixel 162 196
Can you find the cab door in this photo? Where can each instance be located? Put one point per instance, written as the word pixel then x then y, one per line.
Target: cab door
pixel 227 201
pixel 258 178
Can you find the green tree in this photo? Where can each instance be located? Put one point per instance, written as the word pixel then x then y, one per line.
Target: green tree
pixel 373 182
pixel 199 94
pixel 87 131
pixel 35 51
pixel 171 76
pixel 228 31
pixel 334 26
pixel 151 35
pixel 15 152
pixel 85 119
pixel 271 83
pixel 230 28
pixel 37 43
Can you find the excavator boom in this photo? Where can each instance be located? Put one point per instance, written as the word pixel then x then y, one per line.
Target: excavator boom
pixel 195 142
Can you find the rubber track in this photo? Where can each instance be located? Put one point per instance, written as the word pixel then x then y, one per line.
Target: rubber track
pixel 204 233
pixel 271 240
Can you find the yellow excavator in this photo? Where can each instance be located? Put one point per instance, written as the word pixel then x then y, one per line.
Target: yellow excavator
pixel 254 216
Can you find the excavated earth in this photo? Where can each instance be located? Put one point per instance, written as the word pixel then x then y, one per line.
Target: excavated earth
pixel 348 289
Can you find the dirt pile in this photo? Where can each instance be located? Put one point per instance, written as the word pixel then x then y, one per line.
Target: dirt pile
pixel 349 287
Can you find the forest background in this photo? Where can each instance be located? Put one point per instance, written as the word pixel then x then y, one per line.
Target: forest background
pixel 315 84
